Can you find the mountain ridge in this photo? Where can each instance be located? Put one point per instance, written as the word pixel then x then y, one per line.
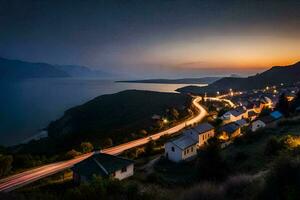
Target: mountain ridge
pixel 18 69
pixel 275 75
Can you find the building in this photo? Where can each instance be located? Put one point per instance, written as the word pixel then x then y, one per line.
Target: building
pixel 181 149
pixel 261 123
pixel 103 165
pixel 242 123
pixel 276 115
pixel 252 115
pixel 234 115
pixel 201 133
pixel 229 131
pixel 266 121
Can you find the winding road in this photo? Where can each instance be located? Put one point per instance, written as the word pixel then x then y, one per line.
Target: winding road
pixel 24 178
pixel 220 99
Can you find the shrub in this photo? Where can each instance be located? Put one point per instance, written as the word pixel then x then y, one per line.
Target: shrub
pixel 283 181
pixel 210 164
pixel 273 146
pixel 204 191
pixel 5 165
pixel 71 154
pixel 86 147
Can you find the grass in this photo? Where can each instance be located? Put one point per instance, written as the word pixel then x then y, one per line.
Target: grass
pixel 176 173
pixel 248 155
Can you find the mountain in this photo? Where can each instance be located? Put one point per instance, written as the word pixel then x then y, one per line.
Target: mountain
pixel 16 69
pixel 204 80
pixel 276 75
pixel 82 71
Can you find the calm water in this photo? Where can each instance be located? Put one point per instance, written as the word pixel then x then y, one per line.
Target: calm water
pixel 28 106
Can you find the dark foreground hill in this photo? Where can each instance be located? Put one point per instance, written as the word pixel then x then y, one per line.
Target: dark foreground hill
pixel 274 76
pixel 116 118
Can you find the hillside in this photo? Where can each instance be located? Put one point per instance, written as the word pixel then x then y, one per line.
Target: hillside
pixel 15 69
pixel 204 80
pixel 274 76
pixel 120 117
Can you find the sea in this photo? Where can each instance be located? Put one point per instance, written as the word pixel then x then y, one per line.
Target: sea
pixel 28 106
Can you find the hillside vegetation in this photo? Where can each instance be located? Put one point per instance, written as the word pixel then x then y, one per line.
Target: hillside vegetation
pixel 274 76
pixel 116 118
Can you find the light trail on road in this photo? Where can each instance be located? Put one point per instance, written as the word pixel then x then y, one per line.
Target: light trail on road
pixel 24 178
pixel 220 99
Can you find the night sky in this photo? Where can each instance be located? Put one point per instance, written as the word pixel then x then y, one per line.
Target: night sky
pixel 153 38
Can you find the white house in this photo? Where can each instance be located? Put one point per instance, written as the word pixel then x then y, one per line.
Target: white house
pixel 201 133
pixel 257 124
pixel 234 115
pixel 103 165
pixel 181 149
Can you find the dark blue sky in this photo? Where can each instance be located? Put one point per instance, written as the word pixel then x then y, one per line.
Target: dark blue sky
pixel 153 38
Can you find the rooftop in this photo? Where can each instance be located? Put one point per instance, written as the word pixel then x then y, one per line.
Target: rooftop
pixel 267 119
pixel 204 127
pixel 241 122
pixel 101 164
pixel 237 111
pixel 276 114
pixel 230 128
pixel 183 142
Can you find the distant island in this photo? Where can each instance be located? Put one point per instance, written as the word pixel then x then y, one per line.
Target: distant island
pixel 17 69
pixel 204 80
pixel 274 76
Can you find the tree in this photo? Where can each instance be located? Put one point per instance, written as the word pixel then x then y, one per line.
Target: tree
pixel 149 148
pixel 273 146
pixel 174 113
pixel 86 147
pixel 143 132
pixel 210 164
pixel 296 102
pixel 283 105
pixel 5 165
pixel 72 154
pixel 107 142
pixel 265 112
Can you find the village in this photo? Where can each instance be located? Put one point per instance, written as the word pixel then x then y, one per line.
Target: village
pixel 244 112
